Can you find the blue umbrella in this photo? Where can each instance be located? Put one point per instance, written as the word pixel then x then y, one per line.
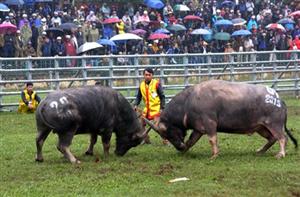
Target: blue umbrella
pixel 156 4
pixel 4 8
pixel 223 22
pixel 162 31
pixel 14 2
pixel 227 3
pixel 286 21
pixel 238 21
pixel 242 32
pixel 106 42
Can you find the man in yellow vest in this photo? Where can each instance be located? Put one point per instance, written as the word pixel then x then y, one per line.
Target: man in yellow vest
pixel 29 99
pixel 151 92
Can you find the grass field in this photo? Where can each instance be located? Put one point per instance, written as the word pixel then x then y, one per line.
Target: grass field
pixel 146 169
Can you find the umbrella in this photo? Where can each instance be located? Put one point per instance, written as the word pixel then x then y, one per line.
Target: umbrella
pixel 201 32
pixel 192 18
pixel 111 20
pixel 68 26
pixel 176 27
pixel 222 36
pixel 139 32
pixel 56 31
pixel 156 4
pixel 286 21
pixel 126 36
pixel 296 13
pixel 162 31
pixel 14 2
pixel 4 28
pixel 88 46
pixel 181 8
pixel 4 8
pixel 156 36
pixel 241 32
pixel 227 3
pixel 275 26
pixel 106 42
pixel 223 22
pixel 238 21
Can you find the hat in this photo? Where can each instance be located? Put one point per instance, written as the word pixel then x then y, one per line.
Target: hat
pixel 43 20
pixel 204 43
pixel 65 13
pixel 34 14
pixel 44 33
pixel 75 20
pixel 10 14
pixel 145 12
pixel 18 31
pixel 155 41
pixel 253 16
pixel 68 36
pixel 55 13
pixel 58 38
pixel 81 19
pixel 79 26
pixel 218 11
pixel 24 15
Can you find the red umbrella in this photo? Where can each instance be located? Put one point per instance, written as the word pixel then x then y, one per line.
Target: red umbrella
pixel 111 20
pixel 156 36
pixel 296 13
pixel 192 18
pixel 275 26
pixel 5 27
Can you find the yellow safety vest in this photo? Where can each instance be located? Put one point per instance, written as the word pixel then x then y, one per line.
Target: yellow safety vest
pixel 151 99
pixel 23 107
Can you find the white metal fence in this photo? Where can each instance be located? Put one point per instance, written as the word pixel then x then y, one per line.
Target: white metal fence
pixel 279 69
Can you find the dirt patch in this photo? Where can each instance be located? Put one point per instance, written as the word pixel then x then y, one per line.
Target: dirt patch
pixel 165 169
pixel 295 193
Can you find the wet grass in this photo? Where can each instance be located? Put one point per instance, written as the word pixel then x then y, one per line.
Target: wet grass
pixel 146 169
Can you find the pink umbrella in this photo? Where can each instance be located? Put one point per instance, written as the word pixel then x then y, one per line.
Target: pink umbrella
pixel 156 36
pixel 139 32
pixel 275 26
pixel 111 20
pixel 5 27
pixel 192 18
pixel 296 13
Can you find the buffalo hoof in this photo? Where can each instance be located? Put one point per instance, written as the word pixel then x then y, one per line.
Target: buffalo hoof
pixel 39 159
pixel 280 155
pixel 89 153
pixel 260 152
pixel 213 157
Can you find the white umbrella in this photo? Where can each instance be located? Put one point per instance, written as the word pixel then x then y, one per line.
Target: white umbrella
pixel 88 46
pixel 201 32
pixel 182 8
pixel 126 36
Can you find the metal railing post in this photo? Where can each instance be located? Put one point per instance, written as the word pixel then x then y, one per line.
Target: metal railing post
pixel 186 70
pixel 84 72
pixel 56 74
pixel 111 71
pixel 29 67
pixel 161 71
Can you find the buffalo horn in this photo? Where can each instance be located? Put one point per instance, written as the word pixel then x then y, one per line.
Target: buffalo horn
pixel 153 126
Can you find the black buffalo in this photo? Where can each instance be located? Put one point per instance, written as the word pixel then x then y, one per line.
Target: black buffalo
pixel 228 107
pixel 95 110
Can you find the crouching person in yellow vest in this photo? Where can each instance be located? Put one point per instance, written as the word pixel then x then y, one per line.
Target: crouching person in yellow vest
pixel 29 99
pixel 151 92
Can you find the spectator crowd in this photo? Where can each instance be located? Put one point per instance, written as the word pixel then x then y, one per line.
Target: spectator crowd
pixel 49 29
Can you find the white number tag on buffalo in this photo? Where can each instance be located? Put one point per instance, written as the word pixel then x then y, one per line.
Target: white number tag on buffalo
pixel 54 104
pixel 272 97
pixel 63 100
